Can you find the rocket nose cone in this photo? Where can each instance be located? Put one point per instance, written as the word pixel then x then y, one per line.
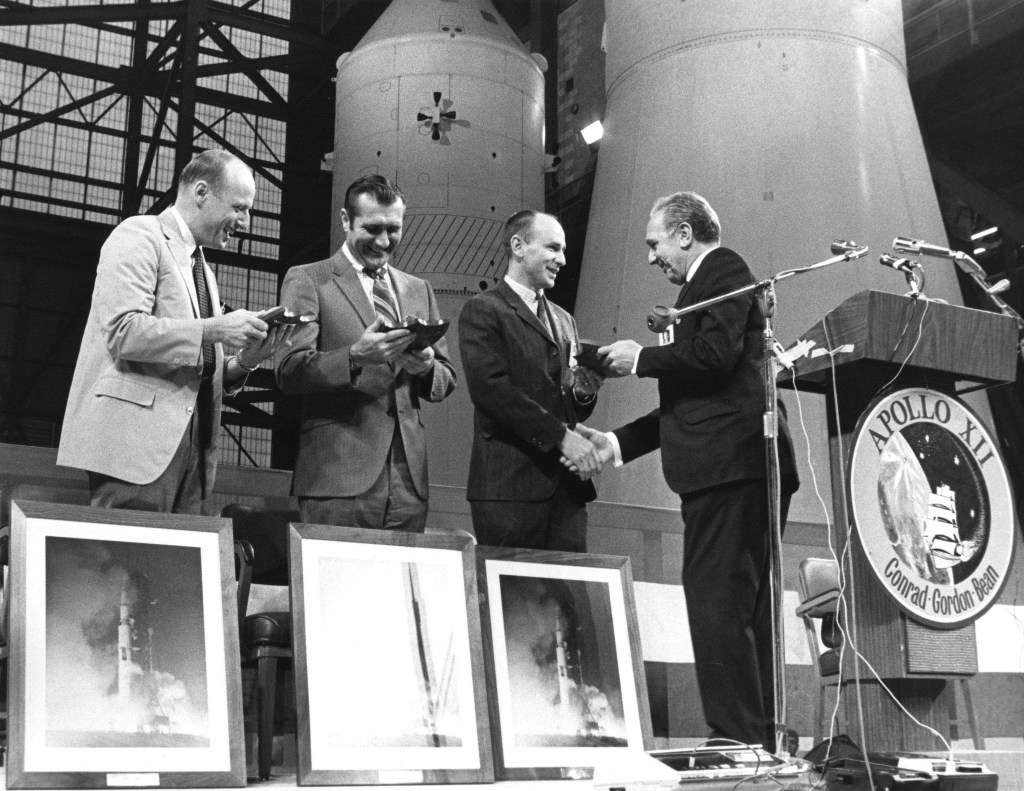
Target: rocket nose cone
pixel 477 18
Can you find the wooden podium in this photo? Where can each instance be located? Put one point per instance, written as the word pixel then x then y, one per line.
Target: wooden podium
pixel 941 347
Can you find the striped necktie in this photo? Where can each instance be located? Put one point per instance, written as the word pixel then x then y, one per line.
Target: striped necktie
pixel 203 297
pixel 383 301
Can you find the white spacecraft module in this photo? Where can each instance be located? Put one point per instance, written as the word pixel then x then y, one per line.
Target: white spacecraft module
pixel 794 119
pixel 443 98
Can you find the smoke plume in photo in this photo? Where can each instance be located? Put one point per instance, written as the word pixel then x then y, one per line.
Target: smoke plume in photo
pixel 568 694
pixel 158 697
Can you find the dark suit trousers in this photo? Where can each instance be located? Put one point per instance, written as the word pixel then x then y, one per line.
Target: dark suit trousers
pixel 558 523
pixel 726 578
pixel 391 503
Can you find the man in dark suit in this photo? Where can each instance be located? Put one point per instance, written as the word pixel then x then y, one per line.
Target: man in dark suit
pixel 362 459
pixel 709 426
pixel 518 354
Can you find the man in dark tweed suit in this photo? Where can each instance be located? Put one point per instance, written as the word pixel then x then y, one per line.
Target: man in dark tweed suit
pixel 518 351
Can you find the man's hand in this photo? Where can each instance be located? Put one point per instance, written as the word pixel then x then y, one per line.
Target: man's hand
pixel 581 453
pixel 374 346
pixel 253 354
pixel 416 362
pixel 620 357
pixel 586 381
pixel 602 445
pixel 237 329
pixel 605 452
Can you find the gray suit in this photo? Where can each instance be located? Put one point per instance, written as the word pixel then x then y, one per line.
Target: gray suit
pixel 349 422
pixel 137 379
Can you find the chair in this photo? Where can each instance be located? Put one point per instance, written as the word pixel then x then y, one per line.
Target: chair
pixel 819 600
pixel 819 594
pixel 261 553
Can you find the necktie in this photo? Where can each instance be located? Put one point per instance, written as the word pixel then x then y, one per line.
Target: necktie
pixel 542 314
pixel 383 301
pixel 203 297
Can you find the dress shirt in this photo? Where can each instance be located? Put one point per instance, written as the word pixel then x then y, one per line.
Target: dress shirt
pixel 528 295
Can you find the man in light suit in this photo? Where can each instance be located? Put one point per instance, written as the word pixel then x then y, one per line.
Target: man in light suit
pixel 144 409
pixel 362 458
pixel 518 353
pixel 709 427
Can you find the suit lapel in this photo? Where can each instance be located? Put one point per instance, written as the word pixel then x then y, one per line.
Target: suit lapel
pixel 404 294
pixel 347 280
pixel 524 313
pixel 682 294
pixel 179 255
pixel 691 288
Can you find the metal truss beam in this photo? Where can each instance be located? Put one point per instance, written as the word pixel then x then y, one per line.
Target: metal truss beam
pixel 152 85
pixel 23 14
pixel 243 63
pixel 58 112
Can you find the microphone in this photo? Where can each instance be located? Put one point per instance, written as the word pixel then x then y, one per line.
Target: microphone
pixel 902 264
pixel 660 319
pixel 850 249
pixel 998 288
pixel 904 244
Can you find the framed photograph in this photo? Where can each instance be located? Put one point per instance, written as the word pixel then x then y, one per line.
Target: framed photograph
pixel 566 682
pixel 124 657
pixel 389 685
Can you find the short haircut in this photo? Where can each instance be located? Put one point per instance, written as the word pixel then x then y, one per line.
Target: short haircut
pixel 377 187
pixel 521 223
pixel 209 166
pixel 692 209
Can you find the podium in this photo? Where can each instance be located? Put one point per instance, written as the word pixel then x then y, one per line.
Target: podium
pixel 877 341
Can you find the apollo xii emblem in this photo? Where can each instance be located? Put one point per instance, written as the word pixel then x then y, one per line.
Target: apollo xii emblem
pixel 932 505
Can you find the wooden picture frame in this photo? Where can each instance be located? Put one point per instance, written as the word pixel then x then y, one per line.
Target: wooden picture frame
pixel 124 654
pixel 566 684
pixel 386 630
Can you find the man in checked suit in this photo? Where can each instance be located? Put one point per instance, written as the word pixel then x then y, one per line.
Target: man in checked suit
pixel 709 427
pixel 144 409
pixel 362 459
pixel 517 351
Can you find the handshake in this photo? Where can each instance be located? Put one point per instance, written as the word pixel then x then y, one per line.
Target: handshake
pixel 585 451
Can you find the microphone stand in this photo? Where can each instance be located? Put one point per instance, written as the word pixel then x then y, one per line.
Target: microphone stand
pixel 765 292
pixel 978 275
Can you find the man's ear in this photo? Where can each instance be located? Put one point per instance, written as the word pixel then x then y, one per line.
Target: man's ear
pixel 516 244
pixel 345 221
pixel 200 192
pixel 685 234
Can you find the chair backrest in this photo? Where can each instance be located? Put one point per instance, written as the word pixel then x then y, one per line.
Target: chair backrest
pixel 819 585
pixel 819 593
pixel 266 530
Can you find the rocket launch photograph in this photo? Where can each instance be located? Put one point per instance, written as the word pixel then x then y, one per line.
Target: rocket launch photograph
pixel 396 618
pixel 124 623
pixel 566 688
pixel 560 631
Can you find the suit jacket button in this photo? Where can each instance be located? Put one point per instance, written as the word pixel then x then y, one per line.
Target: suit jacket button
pixel 189 410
